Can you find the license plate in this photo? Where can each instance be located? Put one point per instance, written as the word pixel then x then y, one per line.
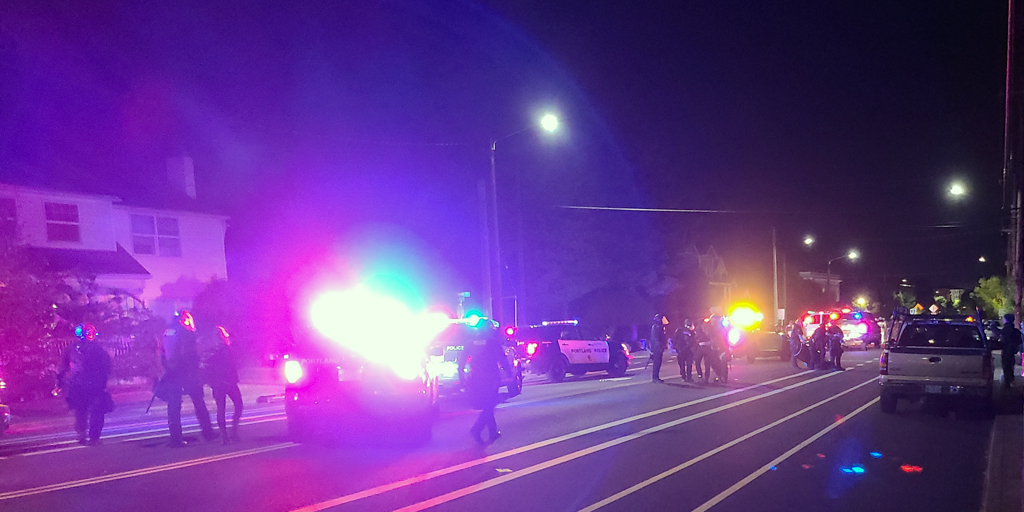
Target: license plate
pixel 933 389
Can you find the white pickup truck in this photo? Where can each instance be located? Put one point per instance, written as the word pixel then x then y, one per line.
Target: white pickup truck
pixel 936 355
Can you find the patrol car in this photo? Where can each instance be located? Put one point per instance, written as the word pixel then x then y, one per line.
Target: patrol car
pixel 335 391
pixel 555 348
pixel 451 343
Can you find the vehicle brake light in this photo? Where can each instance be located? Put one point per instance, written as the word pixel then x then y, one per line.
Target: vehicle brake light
pixel 531 348
pixel 833 316
pixel 292 371
pixel 883 363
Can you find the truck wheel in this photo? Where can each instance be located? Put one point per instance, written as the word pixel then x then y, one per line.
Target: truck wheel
pixel 556 373
pixel 516 386
pixel 298 429
pixel 888 402
pixel 618 365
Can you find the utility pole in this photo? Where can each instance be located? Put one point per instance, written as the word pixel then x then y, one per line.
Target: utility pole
pixel 775 274
pixel 1012 149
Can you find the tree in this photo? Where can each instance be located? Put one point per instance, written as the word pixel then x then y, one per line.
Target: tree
pixel 905 299
pixel 993 294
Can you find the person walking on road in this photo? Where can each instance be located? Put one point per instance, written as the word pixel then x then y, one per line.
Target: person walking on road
pixel 85 368
pixel 684 339
pixel 1010 337
pixel 182 376
pixel 486 360
pixel 657 345
pixel 222 376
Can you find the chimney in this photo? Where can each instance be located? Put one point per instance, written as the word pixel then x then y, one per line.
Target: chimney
pixel 182 175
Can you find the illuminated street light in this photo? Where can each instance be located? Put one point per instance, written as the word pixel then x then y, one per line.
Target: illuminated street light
pixel 549 122
pixel 981 259
pixel 861 301
pixel 853 254
pixel 808 240
pixel 957 190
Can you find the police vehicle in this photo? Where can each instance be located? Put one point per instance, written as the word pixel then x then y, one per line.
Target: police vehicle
pixel 336 391
pixel 556 348
pixel 452 342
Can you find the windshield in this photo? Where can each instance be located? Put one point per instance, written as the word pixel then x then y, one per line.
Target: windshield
pixel 941 335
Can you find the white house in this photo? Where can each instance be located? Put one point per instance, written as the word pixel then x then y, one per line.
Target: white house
pixel 164 254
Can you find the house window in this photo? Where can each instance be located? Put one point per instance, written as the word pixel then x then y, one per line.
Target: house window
pixel 155 235
pixel 8 217
pixel 62 222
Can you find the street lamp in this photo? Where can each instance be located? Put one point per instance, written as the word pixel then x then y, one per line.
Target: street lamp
pixel 861 301
pixel 981 259
pixel 549 123
pixel 808 240
pixel 852 255
pixel 957 190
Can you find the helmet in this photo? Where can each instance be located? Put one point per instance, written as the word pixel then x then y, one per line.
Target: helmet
pixel 85 332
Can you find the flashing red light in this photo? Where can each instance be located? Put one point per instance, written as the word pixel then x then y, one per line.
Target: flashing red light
pixel 531 349
pixel 707 320
pixel 510 331
pixel 846 310
pixel 833 316
pixel 908 468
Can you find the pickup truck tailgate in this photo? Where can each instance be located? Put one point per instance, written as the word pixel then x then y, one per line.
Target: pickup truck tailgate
pixel 946 365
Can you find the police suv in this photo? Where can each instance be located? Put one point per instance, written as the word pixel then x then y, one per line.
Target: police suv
pixel 450 344
pixel 555 348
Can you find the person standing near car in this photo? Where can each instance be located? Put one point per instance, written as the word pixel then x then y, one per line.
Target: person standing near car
pixel 657 345
pixel 486 360
pixel 85 369
pixel 796 342
pixel 180 356
pixel 1010 338
pixel 684 339
pixel 222 375
pixel 819 340
pixel 835 346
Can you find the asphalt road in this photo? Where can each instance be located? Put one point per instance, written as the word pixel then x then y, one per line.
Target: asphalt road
pixel 774 438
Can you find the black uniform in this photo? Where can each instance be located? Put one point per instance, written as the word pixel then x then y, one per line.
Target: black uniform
pixel 684 340
pixel 182 377
pixel 222 376
pixel 796 343
pixel 657 344
pixel 84 372
pixel 835 346
pixel 1010 337
pixel 486 359
pixel 819 340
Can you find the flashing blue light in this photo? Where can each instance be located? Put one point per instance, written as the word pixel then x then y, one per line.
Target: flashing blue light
pixel 877 455
pixel 858 469
pixel 773 468
pixel 857 316
pixel 847 470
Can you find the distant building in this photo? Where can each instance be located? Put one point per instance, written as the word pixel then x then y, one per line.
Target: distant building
pixel 829 284
pixel 162 253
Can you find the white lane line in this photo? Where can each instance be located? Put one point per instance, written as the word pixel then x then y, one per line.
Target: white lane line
pixel 141 472
pixel 487 484
pixel 160 432
pixel 380 489
pixel 667 473
pixel 789 453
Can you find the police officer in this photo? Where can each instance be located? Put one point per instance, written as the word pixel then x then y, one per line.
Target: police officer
pixel 835 345
pixel 222 376
pixel 486 359
pixel 182 376
pixel 85 369
pixel 819 340
pixel 684 339
pixel 796 342
pixel 657 345
pixel 1010 337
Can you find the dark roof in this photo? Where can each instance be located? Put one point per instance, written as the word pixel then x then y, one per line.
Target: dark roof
pixel 89 261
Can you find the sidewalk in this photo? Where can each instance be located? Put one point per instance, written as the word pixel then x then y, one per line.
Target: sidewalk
pixel 1005 473
pixel 51 414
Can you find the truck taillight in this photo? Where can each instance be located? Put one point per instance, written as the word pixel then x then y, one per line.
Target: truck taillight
pixel 531 349
pixel 883 363
pixel 292 371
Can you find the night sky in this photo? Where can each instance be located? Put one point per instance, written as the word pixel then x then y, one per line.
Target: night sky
pixel 336 127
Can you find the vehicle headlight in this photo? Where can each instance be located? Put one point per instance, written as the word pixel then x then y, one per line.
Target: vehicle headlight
pixel 292 371
pixel 407 369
